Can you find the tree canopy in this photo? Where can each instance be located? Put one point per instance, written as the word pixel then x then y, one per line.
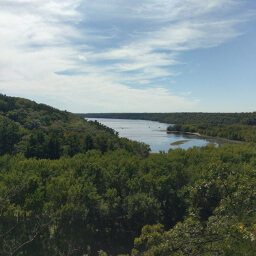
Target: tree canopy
pixel 72 187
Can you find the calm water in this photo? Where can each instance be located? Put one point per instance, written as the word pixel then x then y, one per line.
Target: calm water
pixel 151 132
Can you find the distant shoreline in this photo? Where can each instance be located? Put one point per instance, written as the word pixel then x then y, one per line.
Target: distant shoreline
pixel 190 133
pixel 210 137
pixel 205 136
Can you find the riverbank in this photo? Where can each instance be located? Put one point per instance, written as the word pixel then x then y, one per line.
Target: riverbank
pixel 223 140
pixel 155 134
pixel 189 133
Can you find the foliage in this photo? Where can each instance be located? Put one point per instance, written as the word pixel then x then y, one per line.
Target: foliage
pixel 72 187
pixel 40 131
pixel 221 218
pixel 93 202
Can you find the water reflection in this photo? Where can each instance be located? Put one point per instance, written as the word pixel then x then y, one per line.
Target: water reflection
pixel 154 134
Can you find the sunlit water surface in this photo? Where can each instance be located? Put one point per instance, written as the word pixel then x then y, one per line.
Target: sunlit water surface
pixel 153 133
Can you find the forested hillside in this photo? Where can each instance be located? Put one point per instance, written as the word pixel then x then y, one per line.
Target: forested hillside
pixel 40 131
pixel 71 187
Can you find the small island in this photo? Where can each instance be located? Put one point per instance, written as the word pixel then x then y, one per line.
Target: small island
pixel 180 142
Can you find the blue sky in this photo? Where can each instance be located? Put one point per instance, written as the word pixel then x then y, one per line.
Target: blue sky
pixel 130 56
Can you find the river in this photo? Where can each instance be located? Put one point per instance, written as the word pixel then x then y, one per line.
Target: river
pixel 153 133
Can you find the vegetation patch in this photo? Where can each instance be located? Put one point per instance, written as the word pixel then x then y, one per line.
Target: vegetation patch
pixel 180 142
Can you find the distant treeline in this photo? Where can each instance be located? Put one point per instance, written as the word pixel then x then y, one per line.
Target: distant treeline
pixel 237 132
pixel 184 118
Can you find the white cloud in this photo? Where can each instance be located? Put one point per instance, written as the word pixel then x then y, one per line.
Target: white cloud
pixel 81 57
pixel 127 43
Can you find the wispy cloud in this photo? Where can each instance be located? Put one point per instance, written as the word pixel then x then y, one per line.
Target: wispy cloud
pixel 107 56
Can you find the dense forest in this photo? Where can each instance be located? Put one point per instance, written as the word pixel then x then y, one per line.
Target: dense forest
pixel 40 131
pixel 73 187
